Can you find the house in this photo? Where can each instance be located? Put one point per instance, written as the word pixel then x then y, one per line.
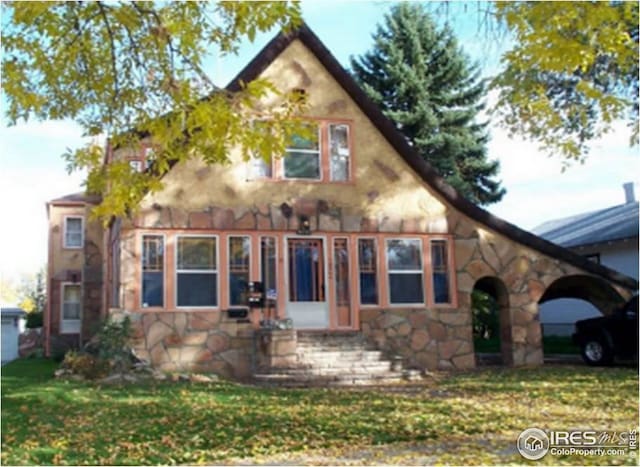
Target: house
pixel 12 321
pixel 351 235
pixel 606 236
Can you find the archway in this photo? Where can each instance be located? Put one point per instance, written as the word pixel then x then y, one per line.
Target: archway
pixel 567 300
pixel 492 321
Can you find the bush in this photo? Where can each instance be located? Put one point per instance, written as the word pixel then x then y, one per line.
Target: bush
pixel 34 320
pixel 85 365
pixel 113 344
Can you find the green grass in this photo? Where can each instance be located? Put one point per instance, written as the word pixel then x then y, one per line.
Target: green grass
pixel 550 344
pixel 467 418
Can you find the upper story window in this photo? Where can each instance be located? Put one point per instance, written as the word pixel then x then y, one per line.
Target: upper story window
pixel 339 152
pixel 73 232
pixel 302 159
pixel 322 154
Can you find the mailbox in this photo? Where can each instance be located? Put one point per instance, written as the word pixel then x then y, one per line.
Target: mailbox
pixel 256 295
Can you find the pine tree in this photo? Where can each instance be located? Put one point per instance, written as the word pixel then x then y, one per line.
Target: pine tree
pixel 423 81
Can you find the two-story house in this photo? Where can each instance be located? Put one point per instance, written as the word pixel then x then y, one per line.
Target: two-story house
pixel 348 233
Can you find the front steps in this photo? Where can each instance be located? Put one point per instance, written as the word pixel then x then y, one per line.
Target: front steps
pixel 333 359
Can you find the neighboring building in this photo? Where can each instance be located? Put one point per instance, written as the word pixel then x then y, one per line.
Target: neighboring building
pixel 351 234
pixel 608 237
pixel 12 324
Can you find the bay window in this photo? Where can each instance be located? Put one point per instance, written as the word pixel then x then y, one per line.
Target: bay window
pixel 404 267
pixel 196 271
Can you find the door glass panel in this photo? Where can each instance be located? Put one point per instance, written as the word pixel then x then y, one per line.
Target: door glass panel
pixel 306 276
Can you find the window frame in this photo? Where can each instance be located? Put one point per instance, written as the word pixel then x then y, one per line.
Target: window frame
pixel 65 231
pixel 275 238
pixel 320 151
pixel 228 266
pixel 425 298
pixel 75 322
pixel 432 271
pixel 378 270
pixel 216 271
pixel 277 164
pixel 328 125
pixel 164 272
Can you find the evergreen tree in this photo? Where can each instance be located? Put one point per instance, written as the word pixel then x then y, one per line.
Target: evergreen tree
pixel 422 81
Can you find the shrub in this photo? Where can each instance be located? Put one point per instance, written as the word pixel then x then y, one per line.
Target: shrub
pixel 85 365
pixel 34 320
pixel 113 344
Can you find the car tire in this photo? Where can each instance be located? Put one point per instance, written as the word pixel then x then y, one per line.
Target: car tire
pixel 596 352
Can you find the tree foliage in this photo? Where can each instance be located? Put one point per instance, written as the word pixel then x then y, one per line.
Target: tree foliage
pixel 422 80
pixel 571 73
pixel 128 70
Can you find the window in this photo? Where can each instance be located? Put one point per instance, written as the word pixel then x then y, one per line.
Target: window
pixel 71 305
pixel 239 264
pixel 152 271
pixel 259 168
pixel 268 266
pixel 339 152
pixel 440 271
pixel 367 265
pixel 73 232
pixel 302 158
pixel 197 272
pixel 136 165
pixel 404 264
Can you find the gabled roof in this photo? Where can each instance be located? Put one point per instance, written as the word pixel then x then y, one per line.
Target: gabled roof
pixel 76 198
pixel 606 225
pixel 397 140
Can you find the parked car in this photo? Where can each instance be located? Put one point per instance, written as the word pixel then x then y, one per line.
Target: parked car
pixel 607 337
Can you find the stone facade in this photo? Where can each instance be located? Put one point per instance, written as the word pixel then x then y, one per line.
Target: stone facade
pixel 424 339
pixel 194 341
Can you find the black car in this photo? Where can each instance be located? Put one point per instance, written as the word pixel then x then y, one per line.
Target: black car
pixel 607 337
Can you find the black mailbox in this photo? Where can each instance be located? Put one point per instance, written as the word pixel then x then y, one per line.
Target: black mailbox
pixel 256 294
pixel 237 313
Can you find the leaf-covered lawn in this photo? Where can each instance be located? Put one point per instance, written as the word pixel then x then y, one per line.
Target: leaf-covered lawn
pixel 470 418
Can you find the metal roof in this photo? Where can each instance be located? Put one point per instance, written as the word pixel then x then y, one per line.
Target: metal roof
pixel 606 225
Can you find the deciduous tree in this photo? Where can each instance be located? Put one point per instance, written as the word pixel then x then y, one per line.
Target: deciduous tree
pixel 131 69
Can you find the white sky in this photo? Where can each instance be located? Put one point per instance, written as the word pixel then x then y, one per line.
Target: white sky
pixel 32 171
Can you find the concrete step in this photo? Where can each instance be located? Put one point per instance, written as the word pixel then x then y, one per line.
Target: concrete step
pixel 293 381
pixel 339 355
pixel 355 368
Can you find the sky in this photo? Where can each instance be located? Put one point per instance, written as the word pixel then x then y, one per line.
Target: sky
pixel 33 172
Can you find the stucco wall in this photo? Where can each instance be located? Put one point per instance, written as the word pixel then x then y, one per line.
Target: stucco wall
pixel 385 196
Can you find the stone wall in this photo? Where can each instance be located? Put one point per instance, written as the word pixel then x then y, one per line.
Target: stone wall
pixel 207 342
pixel 323 215
pixel 425 339
pixel 275 348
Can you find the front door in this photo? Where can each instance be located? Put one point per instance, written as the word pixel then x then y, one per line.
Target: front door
pixel 307 303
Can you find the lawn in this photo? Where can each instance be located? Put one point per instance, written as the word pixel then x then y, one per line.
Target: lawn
pixel 466 418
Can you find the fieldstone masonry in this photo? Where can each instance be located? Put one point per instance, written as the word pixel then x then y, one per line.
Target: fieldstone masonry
pixel 194 341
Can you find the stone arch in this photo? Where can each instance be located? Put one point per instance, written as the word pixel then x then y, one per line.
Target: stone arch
pixel 495 287
pixel 595 290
